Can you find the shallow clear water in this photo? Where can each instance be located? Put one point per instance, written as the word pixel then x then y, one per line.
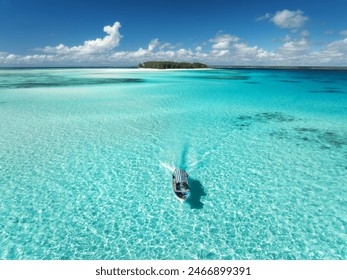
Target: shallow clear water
pixel 85 159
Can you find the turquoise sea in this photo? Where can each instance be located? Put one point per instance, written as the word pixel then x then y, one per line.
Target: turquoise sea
pixel 86 158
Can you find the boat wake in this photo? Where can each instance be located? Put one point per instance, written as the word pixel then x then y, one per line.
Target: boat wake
pixel 167 166
pixel 185 162
pixel 199 161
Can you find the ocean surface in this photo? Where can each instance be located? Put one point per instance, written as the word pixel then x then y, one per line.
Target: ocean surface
pixel 86 157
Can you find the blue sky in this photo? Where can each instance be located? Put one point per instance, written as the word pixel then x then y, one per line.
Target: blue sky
pixel 218 32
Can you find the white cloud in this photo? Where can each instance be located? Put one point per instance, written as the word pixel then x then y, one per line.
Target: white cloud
pixel 110 41
pixel 283 39
pixel 295 49
pixel 219 53
pixel 153 44
pixel 145 52
pixel 289 19
pixel 198 48
pixel 344 32
pixel 304 33
pixel 246 54
pixel 140 55
pixel 12 57
pixel 292 48
pixel 264 17
pixel 166 46
pixel 3 55
pixel 223 41
pixel 334 53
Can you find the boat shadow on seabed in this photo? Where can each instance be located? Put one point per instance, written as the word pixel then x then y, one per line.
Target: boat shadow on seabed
pixel 196 192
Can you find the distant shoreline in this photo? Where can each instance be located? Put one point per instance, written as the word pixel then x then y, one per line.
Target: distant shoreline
pixel 281 67
pixel 250 67
pixel 120 69
pixel 164 64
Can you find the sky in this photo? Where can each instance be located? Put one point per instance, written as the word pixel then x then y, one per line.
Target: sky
pixel 216 32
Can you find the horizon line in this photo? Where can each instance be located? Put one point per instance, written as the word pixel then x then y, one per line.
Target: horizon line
pixel 209 66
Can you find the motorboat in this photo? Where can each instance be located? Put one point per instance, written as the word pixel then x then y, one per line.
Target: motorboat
pixel 180 184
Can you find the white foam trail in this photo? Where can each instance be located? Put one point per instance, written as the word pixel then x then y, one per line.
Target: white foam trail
pixel 201 160
pixel 194 163
pixel 167 166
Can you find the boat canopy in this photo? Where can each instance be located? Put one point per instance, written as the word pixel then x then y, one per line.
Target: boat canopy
pixel 180 184
pixel 181 176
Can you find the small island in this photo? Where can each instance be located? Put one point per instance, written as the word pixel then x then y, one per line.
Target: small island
pixel 171 65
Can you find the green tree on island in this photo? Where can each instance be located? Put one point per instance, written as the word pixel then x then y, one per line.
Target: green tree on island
pixel 171 65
